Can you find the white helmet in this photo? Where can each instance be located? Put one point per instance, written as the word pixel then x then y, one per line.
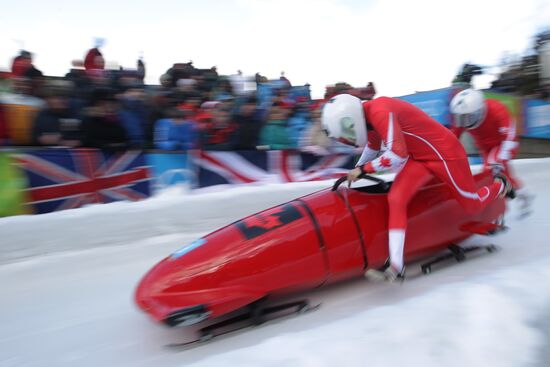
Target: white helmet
pixel 343 119
pixel 468 108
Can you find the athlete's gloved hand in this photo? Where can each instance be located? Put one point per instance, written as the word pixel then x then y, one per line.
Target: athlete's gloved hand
pixel 353 175
pixel 496 168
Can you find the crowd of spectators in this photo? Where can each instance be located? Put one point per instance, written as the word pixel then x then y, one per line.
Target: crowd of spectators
pixel 190 108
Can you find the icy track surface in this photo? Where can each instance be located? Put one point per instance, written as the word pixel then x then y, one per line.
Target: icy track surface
pixel 67 281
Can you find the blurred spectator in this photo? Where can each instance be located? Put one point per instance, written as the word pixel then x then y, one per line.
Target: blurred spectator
pixel 4 133
pixel 467 73
pixel 199 86
pixel 249 124
pixel 192 105
pixel 181 71
pixel 22 89
pixel 102 126
pixel 223 90
pixel 22 66
pixel 99 79
pixel 217 129
pixel 282 97
pixel 140 70
pixel 20 109
pixel 176 132
pixel 285 83
pixel 4 82
pixel 165 82
pixel 299 121
pixel 57 124
pixel 315 140
pixel 185 89
pixel 134 115
pixel 210 79
pixel 260 79
pixel 163 98
pixel 366 93
pixel 274 134
pixel 94 60
pixel 338 88
pixel 238 83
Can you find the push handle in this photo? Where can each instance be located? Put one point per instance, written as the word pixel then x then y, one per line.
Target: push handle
pixel 378 180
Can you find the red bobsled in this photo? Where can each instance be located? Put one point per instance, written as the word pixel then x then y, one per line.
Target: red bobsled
pixel 318 239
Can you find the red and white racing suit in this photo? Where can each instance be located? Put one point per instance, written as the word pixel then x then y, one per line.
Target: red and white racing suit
pixel 418 148
pixel 495 138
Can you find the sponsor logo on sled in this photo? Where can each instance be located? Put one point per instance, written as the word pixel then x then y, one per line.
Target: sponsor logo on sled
pixel 188 248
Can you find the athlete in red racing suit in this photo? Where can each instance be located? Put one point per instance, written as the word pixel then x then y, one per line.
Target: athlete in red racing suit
pixel 494 132
pixel 418 148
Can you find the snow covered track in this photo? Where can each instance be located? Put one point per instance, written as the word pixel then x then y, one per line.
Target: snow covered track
pixel 74 307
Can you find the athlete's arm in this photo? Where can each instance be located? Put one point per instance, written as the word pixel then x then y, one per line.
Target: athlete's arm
pixel 385 124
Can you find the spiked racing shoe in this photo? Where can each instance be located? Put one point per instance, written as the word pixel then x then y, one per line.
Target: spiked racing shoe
pixel 386 273
pixel 507 191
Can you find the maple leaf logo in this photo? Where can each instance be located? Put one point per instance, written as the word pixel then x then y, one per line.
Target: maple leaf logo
pixel 385 162
pixel 264 221
pixel 260 223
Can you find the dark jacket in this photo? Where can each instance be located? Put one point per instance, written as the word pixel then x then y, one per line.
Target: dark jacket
pixel 248 131
pixel 104 132
pixel 62 122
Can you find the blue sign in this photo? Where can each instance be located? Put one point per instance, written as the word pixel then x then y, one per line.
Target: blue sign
pixel 537 119
pixel 435 103
pixel 170 169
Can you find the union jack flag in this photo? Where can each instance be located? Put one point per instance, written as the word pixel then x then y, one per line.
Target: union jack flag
pixel 275 166
pixel 70 178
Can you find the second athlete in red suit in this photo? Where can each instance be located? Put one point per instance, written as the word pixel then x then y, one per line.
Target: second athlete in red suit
pixel 491 125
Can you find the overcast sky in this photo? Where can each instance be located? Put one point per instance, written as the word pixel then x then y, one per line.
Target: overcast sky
pixel 402 46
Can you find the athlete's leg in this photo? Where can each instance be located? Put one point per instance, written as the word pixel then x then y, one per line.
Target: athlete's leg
pixel 457 174
pixel 407 182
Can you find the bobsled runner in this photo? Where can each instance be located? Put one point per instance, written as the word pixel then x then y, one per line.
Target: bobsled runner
pixel 322 238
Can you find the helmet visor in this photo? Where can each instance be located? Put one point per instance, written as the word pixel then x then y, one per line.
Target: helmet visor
pixel 468 120
pixel 348 133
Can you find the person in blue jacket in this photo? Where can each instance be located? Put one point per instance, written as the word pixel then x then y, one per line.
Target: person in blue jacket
pixel 176 132
pixel 134 115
